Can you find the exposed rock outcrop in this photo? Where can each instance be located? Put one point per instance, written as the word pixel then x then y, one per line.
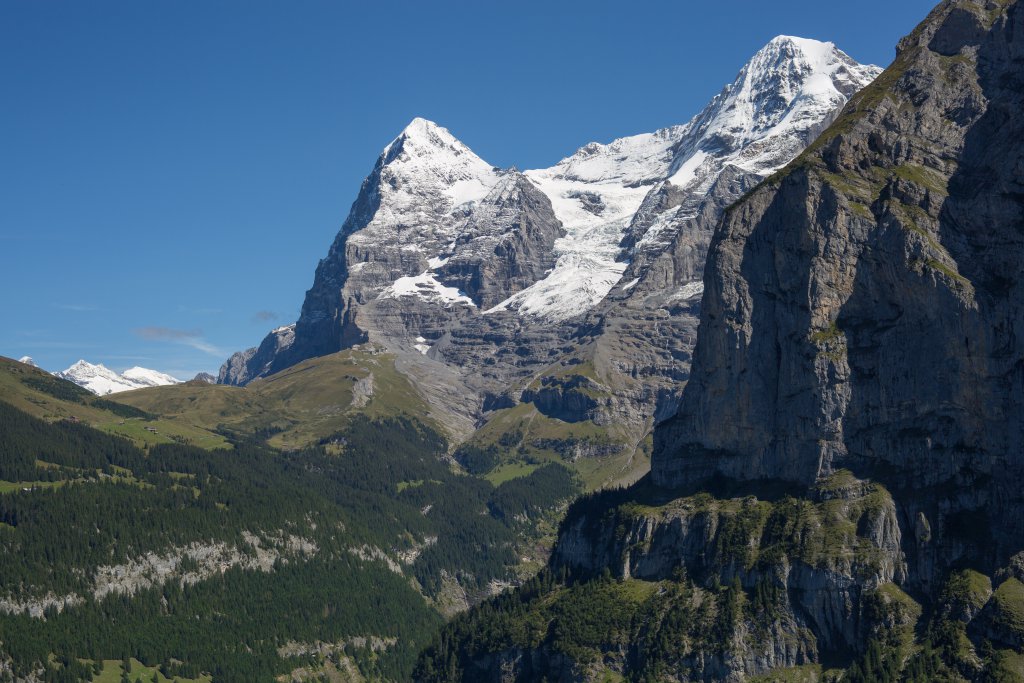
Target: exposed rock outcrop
pixel 506 244
pixel 820 557
pixel 245 366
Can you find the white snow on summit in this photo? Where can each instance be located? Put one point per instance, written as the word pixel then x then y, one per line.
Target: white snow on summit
pixel 785 95
pixel 27 360
pixel 102 381
pixel 425 175
pixel 149 378
pixel 427 184
pixel 429 152
pixel 428 187
pixel 780 101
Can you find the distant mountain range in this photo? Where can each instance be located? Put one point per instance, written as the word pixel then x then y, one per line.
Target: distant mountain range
pixel 101 380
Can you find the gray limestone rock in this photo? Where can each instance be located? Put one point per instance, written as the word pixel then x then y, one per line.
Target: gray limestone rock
pixel 860 309
pixel 505 245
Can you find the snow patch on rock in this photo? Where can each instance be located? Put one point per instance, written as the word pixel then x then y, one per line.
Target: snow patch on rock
pixel 427 287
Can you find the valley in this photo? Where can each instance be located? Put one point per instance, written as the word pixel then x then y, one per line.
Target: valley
pixel 737 400
pixel 100 536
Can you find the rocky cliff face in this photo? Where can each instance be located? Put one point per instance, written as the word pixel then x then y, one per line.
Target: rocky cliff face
pixel 505 245
pixel 638 338
pixel 822 562
pixel 245 366
pixel 860 309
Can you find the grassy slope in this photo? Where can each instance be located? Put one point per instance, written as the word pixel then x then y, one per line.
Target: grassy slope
pixel 293 408
pixel 113 670
pixel 623 467
pixel 16 390
pixel 314 399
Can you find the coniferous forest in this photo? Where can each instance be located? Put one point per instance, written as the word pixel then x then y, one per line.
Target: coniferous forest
pixel 237 557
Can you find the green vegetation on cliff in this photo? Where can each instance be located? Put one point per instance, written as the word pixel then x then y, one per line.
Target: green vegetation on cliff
pixel 648 587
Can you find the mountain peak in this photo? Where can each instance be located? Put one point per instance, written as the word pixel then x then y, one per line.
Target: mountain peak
pixel 794 63
pixel 427 156
pixel 420 126
pixel 101 380
pixel 806 45
pixel 147 377
pixel 424 137
pixel 788 91
pixel 801 60
pixel 82 364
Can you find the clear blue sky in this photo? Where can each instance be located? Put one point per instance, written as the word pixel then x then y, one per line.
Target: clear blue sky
pixel 172 170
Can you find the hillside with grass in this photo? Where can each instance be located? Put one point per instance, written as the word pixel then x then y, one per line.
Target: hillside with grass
pixel 39 393
pixel 245 562
pixel 295 407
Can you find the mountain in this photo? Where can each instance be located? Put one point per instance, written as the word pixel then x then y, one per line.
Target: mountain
pixel 27 360
pixel 635 345
pixel 49 397
pixel 502 284
pixel 295 408
pixel 341 546
pixel 625 203
pixel 839 495
pixel 860 308
pixel 101 380
pixel 107 555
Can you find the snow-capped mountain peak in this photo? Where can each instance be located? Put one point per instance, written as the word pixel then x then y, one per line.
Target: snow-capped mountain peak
pixel 101 380
pixel 422 186
pixel 426 156
pixel 782 99
pixel 787 93
pixel 424 134
pixel 27 360
pixel 149 378
pixel 439 237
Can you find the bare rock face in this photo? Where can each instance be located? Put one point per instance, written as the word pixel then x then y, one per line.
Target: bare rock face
pixel 861 308
pixel 640 336
pixel 823 559
pixel 506 244
pixel 245 366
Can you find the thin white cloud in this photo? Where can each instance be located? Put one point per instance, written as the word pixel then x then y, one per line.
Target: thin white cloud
pixel 190 338
pixel 205 347
pixel 77 308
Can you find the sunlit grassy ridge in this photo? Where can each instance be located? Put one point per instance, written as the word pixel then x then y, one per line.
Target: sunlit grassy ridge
pixel 295 407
